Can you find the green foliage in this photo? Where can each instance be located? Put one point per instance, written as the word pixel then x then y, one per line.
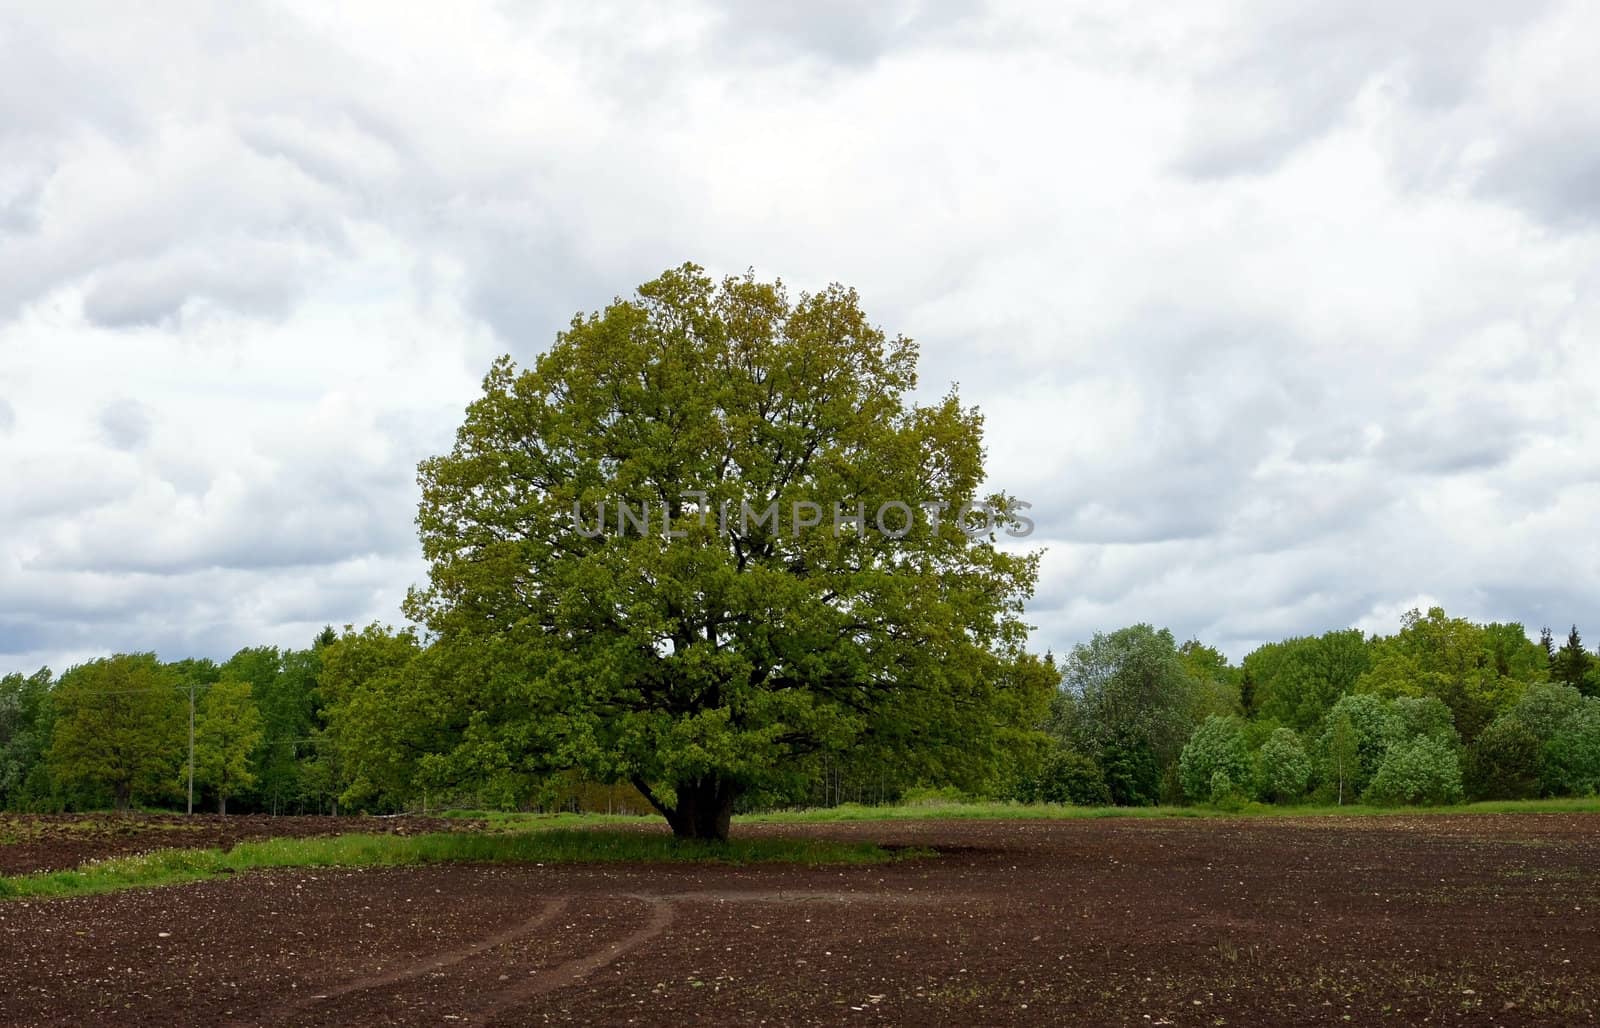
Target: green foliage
pixel 1572 756
pixel 1296 681
pixel 195 671
pixel 1425 715
pixel 119 728
pixel 284 686
pixel 1218 681
pixel 1512 654
pixel 1356 734
pixel 1132 704
pixel 227 729
pixel 1257 732
pixel 929 796
pixel 1420 770
pixel 1022 710
pixel 376 720
pixel 1504 762
pixel 991 810
pixel 1543 739
pixel 172 866
pixel 1226 792
pixel 1341 755
pixel 722 661
pixel 1066 776
pixel 1283 770
pixel 1450 659
pixel 1131 773
pixel 1216 753
pixel 1571 665
pixel 382 710
pixel 27 718
pixel 1543 707
pixel 283 722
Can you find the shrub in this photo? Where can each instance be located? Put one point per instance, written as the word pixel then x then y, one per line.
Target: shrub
pixel 1131 772
pixel 1426 715
pixel 1059 773
pixel 1503 762
pixel 1543 706
pixel 1070 777
pixel 1572 756
pixel 1420 770
pixel 1365 725
pixel 1217 746
pixel 1225 792
pixel 1282 767
pixel 933 796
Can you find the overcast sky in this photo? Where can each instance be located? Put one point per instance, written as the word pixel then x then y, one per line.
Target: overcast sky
pixel 1283 321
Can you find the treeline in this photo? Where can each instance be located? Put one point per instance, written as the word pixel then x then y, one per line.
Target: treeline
pixel 1443 710
pixel 356 721
pixel 375 720
pixel 115 733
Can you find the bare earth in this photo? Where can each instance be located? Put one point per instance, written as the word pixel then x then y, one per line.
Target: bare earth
pixel 1460 919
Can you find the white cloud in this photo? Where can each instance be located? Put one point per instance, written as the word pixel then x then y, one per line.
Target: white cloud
pixel 1281 318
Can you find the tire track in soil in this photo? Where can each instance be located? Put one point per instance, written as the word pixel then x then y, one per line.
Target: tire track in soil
pixel 661 917
pixel 822 896
pixel 436 962
pixel 579 968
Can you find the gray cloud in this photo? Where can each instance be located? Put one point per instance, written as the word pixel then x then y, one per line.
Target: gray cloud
pixel 61 485
pixel 1284 76
pixel 1430 448
pixel 149 292
pixel 19 211
pixel 125 423
pixel 1541 168
pixel 1488 97
pixel 1274 314
pixel 188 615
pixel 58 84
pixel 838 31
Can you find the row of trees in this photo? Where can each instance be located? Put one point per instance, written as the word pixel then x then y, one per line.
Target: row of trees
pixel 116 732
pixel 721 662
pixel 374 719
pixel 1441 710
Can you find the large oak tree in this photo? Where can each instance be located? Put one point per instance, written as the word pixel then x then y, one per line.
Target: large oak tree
pixel 724 657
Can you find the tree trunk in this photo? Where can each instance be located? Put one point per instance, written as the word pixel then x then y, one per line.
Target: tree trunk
pixel 703 810
pixel 123 797
pixel 222 803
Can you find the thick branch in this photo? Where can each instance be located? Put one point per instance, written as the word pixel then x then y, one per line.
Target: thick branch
pixel 670 813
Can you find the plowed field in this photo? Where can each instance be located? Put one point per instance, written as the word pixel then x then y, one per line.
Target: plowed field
pixel 1446 919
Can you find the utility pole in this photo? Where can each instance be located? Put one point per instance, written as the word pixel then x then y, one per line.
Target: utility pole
pixel 191 748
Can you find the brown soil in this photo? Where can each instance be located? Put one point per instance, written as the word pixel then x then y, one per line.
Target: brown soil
pixel 1469 919
pixel 52 842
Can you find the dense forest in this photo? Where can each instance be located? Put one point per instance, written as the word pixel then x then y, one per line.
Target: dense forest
pixel 376 720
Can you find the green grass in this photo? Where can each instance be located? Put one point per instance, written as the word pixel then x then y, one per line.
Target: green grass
pixel 997 810
pixel 175 866
pixel 1025 811
pixel 573 838
pixel 515 820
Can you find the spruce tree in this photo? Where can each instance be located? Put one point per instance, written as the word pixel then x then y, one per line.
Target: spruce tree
pixel 1570 666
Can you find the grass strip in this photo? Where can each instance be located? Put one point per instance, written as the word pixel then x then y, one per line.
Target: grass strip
pixel 175 866
pixel 1052 811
